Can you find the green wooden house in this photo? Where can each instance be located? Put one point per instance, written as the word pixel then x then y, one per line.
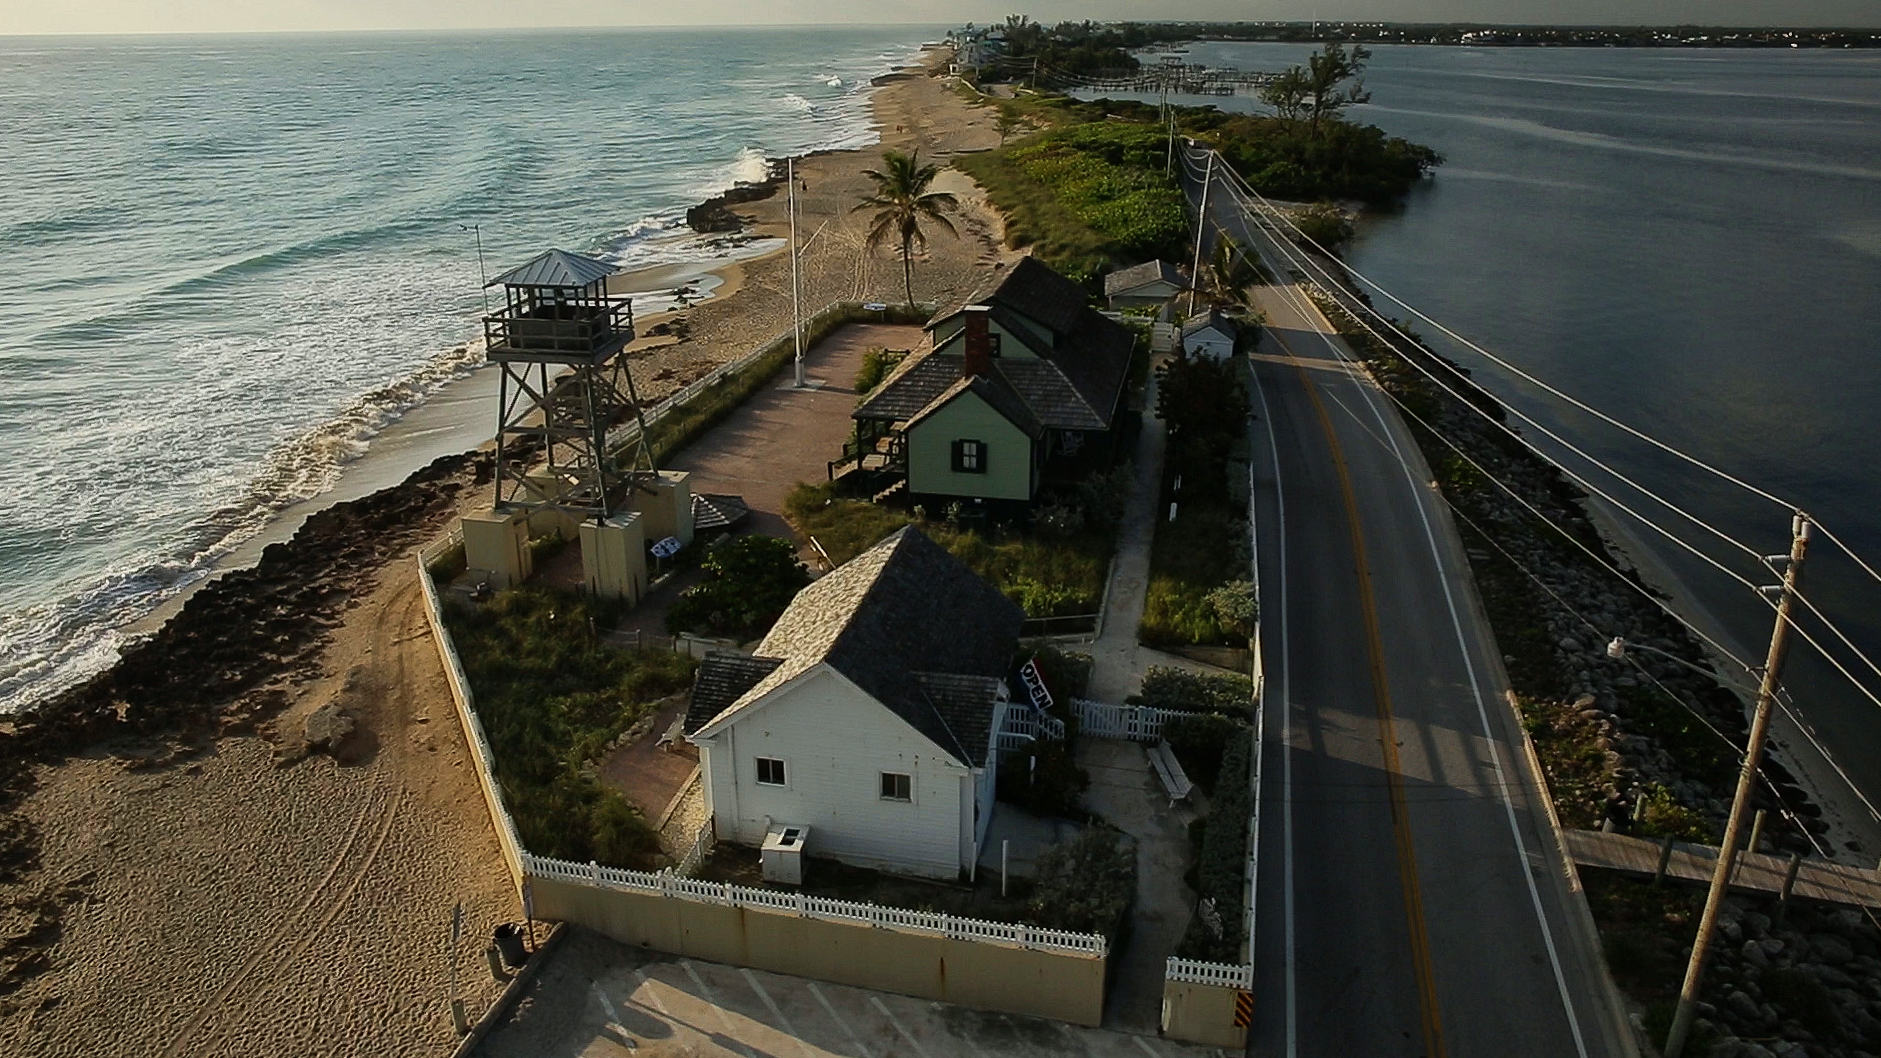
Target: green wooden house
pixel 1020 387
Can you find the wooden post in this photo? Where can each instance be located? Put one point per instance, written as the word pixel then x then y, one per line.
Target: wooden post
pixel 1756 831
pixel 1789 883
pixel 1747 777
pixel 1665 860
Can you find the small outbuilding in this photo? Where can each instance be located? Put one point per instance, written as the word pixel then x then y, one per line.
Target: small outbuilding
pixel 1152 284
pixel 868 717
pixel 1211 334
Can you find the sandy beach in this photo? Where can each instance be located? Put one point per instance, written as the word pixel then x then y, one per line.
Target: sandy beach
pixel 187 867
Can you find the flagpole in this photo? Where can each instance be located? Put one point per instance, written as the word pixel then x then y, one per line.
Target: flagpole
pixel 796 288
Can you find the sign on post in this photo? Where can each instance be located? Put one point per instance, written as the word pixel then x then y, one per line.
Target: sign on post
pixel 1036 691
pixel 668 547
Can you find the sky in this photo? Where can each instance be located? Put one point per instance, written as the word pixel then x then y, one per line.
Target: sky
pixel 200 16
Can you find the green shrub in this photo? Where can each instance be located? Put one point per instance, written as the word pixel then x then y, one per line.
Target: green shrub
pixel 1165 687
pixel 1236 606
pixel 1221 862
pixel 1047 576
pixel 1086 884
pixel 1200 741
pixel 544 548
pixel 876 364
pixel 1324 223
pixel 448 565
pixel 1178 613
pixel 748 582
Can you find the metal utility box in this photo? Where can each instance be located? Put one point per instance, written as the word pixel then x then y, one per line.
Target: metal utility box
pixel 782 853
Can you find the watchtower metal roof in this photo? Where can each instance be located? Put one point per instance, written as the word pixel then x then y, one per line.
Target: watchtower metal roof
pixel 555 268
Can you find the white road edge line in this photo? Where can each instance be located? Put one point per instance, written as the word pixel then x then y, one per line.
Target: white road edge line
pixel 711 999
pixel 1420 495
pixel 838 1019
pixel 771 1005
pixel 1286 716
pixel 892 1020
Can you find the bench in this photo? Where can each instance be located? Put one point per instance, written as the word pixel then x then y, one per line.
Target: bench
pixel 1169 771
pixel 673 732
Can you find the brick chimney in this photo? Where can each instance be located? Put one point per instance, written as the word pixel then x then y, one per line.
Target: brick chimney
pixel 978 343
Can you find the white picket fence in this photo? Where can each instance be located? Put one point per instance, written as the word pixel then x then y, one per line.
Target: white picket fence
pixel 702 844
pixel 929 923
pixel 1138 723
pixel 1023 727
pixel 1221 975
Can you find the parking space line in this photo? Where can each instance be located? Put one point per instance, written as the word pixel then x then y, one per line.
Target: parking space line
pixel 892 1020
pixel 771 1005
pixel 1147 1049
pixel 613 1016
pixel 838 1019
pixel 647 984
pixel 712 1000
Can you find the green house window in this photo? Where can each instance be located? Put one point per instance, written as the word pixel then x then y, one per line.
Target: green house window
pixel 969 457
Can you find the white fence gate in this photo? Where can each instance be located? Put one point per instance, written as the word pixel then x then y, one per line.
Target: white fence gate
pixel 1138 723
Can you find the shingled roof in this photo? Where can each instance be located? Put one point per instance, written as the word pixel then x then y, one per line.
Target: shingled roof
pixel 907 623
pixel 996 392
pixel 1073 383
pixel 1124 280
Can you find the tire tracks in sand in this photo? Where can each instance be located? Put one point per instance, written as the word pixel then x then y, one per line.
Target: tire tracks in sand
pixel 208 1031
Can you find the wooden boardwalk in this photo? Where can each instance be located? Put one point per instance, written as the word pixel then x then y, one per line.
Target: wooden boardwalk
pixel 1817 879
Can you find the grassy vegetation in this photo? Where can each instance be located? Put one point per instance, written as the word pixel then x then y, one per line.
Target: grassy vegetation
pixel 1205 548
pixel 551 697
pixel 876 364
pixel 1165 687
pixel 1047 576
pixel 1086 197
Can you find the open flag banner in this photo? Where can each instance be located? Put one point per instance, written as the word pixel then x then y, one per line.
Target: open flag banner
pixel 1036 692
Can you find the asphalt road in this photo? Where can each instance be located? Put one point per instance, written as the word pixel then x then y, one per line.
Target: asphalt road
pixel 1412 899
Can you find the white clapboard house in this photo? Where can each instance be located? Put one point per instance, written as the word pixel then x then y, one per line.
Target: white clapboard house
pixel 866 720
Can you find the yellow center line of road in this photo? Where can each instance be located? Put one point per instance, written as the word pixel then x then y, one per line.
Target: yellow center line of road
pixel 1394 779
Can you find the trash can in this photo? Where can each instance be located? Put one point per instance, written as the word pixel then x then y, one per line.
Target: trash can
pixel 509 941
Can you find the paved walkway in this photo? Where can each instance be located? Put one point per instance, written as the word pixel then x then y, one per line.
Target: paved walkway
pixel 1123 789
pixel 1836 883
pixel 1118 660
pixel 779 437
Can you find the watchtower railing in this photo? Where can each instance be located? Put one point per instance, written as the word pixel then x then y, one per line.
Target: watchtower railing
pixel 565 329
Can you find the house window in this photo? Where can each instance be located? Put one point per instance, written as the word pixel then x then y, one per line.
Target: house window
pixel 969 457
pixel 992 342
pixel 897 787
pixel 770 771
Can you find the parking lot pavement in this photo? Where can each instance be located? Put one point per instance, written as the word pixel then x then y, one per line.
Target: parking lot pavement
pixel 600 999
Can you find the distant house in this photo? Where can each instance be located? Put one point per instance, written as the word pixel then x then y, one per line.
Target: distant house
pixel 1151 284
pixel 1209 334
pixel 867 715
pixel 1022 384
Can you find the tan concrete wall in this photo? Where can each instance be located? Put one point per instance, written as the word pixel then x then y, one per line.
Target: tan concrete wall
pixel 986 976
pixel 1201 1014
pixel 480 757
pixel 497 543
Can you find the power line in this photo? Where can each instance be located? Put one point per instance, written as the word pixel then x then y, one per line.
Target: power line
pixel 1306 265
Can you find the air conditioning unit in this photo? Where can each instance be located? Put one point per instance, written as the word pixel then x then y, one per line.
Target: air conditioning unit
pixel 782 853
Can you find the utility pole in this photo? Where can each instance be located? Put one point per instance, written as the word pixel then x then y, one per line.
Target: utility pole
pixel 1753 755
pixel 1201 220
pixel 796 288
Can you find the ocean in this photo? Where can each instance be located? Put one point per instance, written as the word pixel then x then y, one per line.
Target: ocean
pixel 1690 241
pixel 233 263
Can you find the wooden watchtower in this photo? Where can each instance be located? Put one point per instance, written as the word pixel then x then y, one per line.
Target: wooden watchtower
pixel 558 339
pixel 565 388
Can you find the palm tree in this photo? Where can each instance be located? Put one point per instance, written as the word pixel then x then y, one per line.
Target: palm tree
pixel 900 201
pixel 1227 275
